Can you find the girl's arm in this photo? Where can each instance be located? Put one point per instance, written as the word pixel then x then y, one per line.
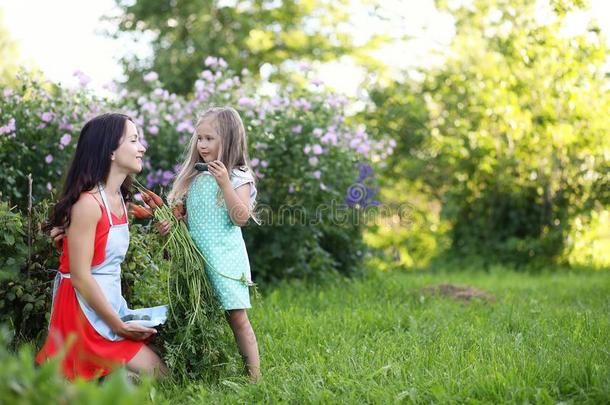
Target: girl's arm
pixel 237 200
pixel 81 237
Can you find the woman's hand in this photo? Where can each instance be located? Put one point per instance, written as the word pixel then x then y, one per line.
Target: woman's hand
pixel 133 331
pixel 163 227
pixel 219 171
pixel 57 234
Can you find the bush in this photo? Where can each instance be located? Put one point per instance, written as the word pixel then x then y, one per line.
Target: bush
pixel 25 289
pixel 22 382
pixel 304 153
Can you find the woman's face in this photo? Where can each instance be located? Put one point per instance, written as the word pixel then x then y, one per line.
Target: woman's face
pixel 128 155
pixel 208 142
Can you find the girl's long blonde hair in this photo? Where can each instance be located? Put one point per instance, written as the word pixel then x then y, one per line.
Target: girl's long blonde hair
pixel 233 148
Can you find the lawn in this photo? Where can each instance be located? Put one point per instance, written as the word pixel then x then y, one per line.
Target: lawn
pixel 544 338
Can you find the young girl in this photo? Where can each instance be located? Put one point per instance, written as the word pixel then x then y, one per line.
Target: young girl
pixel 218 202
pixel 86 324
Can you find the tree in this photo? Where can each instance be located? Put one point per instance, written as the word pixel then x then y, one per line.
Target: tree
pixel 246 34
pixel 8 55
pixel 517 136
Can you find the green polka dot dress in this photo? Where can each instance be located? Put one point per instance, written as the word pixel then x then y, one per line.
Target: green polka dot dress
pixel 220 241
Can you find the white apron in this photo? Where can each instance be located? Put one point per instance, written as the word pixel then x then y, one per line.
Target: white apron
pixel 108 276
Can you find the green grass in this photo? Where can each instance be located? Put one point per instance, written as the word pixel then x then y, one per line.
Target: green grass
pixel 380 339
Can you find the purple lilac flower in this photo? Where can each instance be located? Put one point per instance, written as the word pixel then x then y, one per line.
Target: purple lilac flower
pixel 65 140
pixel 150 180
pixel 83 79
pixel 297 129
pixel 153 130
pixel 207 75
pixel 317 174
pixel 246 102
pixel 316 81
pixel 290 189
pixel 49 186
pixel 185 126
pixel 365 171
pixel 363 149
pixel 7 92
pixel 149 106
pixel 47 116
pixel 303 104
pixel 264 164
pixel 313 161
pixel 317 149
pixel 307 149
pixel 226 85
pixel 48 158
pixel 329 137
pixel 211 61
pixel 276 101
pixel 66 125
pixel 304 66
pixel 151 77
pixel 254 162
pixel 8 128
pixel 317 132
pixel 166 177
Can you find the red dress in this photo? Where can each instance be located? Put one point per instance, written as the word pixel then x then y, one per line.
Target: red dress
pixel 87 354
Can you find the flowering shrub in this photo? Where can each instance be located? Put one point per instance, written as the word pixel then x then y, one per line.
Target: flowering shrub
pixel 310 163
pixel 39 126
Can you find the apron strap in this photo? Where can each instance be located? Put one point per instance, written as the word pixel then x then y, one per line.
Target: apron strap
pixel 105 201
pixel 107 205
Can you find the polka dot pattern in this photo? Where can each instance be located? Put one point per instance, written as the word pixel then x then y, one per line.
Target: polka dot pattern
pixel 220 241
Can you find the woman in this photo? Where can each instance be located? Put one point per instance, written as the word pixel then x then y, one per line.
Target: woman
pixel 86 326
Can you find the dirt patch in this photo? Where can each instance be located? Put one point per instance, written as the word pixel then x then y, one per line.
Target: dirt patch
pixel 459 292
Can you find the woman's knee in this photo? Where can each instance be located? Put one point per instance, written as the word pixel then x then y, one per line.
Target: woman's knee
pixel 147 361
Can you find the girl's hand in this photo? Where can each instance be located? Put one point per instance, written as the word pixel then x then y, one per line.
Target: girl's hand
pixel 179 211
pixel 57 234
pixel 163 227
pixel 219 171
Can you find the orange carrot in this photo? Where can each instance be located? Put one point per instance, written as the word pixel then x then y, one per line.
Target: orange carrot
pixel 151 199
pixel 158 200
pixel 140 212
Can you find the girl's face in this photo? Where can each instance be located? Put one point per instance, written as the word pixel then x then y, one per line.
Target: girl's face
pixel 128 156
pixel 208 142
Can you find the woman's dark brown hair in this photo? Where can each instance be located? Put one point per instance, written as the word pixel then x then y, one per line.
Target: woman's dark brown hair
pixel 91 164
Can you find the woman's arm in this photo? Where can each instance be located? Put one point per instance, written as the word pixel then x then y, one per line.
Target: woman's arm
pixel 81 237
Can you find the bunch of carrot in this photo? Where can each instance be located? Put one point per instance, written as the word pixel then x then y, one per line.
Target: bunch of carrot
pixel 195 326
